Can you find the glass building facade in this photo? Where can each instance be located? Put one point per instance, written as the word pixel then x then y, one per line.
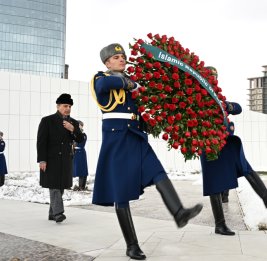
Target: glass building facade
pixel 32 36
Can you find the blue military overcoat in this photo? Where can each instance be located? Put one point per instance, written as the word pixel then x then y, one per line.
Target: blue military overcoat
pixel 3 167
pixel 80 168
pixel 222 174
pixel 127 163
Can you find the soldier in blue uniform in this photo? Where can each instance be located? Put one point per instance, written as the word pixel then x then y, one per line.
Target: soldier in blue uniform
pixel 222 174
pixel 80 168
pixel 127 163
pixel 3 168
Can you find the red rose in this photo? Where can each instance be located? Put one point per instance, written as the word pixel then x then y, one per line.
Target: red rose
pixel 189 91
pixel 187 134
pixel 140 41
pixel 175 100
pixel 149 65
pixel 176 85
pixel 165 78
pixel 152 84
pixel 162 95
pixel 130 69
pixel 150 55
pixel 141 108
pixel 142 89
pixel 145 99
pixel 154 99
pixel 152 122
pixel 170 119
pixel 204 92
pixel 133 78
pixel 175 145
pixel 156 65
pixel 208 150
pixel 168 129
pixel 194 132
pixel 150 36
pixel 165 136
pixel 145 116
pixel 176 127
pixel 181 141
pixel 183 150
pixel 178 116
pixel 156 75
pixel 175 69
pixel 168 88
pixel 182 105
pixel 163 114
pixel 135 94
pixel 159 86
pixel 148 76
pixel 133 52
pixel 175 136
pixel 172 107
pixel 152 111
pixel 175 76
pixel 159 118
pixel 188 82
pixel 142 50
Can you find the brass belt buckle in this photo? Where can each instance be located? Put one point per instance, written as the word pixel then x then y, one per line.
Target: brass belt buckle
pixel 134 116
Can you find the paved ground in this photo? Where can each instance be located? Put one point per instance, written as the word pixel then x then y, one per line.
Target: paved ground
pixel 190 192
pixel 92 233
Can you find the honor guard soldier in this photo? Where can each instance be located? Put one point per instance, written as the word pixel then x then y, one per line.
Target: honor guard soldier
pixel 3 167
pixel 127 163
pixel 221 175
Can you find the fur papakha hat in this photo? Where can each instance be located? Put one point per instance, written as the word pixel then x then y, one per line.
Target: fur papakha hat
pixel 111 50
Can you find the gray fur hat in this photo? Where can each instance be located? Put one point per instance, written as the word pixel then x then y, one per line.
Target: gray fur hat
pixel 111 50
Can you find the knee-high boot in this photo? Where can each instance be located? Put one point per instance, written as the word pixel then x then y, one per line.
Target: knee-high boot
pixel 217 209
pixel 258 185
pixel 173 203
pixel 82 182
pixel 225 195
pixel 128 231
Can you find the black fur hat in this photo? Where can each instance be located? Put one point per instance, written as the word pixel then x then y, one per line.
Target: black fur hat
pixel 64 98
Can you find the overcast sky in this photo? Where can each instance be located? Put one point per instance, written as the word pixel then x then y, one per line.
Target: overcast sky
pixel 227 34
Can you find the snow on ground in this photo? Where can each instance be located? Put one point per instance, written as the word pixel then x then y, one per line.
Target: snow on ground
pixel 25 186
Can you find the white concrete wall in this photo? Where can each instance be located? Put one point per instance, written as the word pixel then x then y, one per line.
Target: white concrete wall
pixel 24 99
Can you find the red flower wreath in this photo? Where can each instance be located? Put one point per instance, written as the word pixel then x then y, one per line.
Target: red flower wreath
pixel 173 102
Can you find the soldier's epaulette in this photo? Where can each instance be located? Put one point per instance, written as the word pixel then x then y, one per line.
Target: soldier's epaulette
pixel 100 74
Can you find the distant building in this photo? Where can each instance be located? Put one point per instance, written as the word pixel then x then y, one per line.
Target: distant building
pixel 32 37
pixel 258 92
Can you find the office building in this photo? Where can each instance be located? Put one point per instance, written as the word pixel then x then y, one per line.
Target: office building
pixel 32 37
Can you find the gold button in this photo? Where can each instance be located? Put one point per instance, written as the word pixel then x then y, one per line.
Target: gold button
pixel 59 153
pixel 129 125
pixel 113 129
pixel 129 108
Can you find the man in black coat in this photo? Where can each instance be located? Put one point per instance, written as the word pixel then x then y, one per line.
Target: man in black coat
pixel 56 134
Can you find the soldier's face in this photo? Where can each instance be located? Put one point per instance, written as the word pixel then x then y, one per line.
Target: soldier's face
pixel 116 63
pixel 64 109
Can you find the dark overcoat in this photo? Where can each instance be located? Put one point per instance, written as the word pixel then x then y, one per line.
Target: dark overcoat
pixel 80 168
pixel 222 174
pixel 55 147
pixel 126 163
pixel 3 167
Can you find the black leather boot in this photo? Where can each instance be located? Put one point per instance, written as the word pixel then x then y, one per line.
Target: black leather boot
pixel 82 182
pixel 217 209
pixel 173 203
pixel 258 185
pixel 128 231
pixel 2 180
pixel 225 195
